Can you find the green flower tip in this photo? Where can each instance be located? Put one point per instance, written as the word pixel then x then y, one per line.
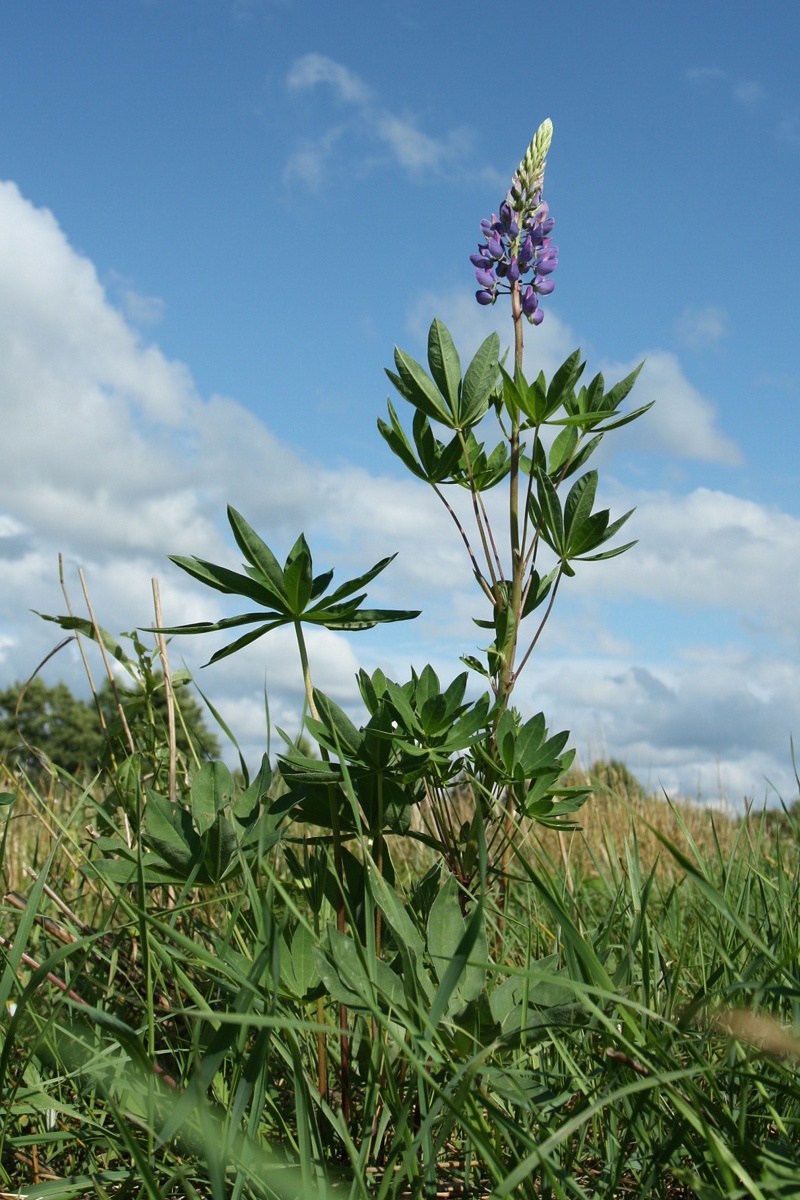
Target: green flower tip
pixel 531 170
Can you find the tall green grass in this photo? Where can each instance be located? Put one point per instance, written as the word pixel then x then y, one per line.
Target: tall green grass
pixel 624 1028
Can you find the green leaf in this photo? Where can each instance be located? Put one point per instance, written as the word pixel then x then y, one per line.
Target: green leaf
pixel 392 908
pixel 438 461
pixel 241 642
pixel 398 443
pixel 368 618
pixel 564 381
pixel 626 420
pixel 169 831
pixel 475 664
pixel 447 938
pixel 416 386
pixel 220 849
pixel 230 582
pixel 480 382
pixel 561 450
pixel 606 553
pixel 620 390
pixel 87 629
pixel 345 976
pixel 353 585
pixel 445 366
pixel 212 789
pixel 582 455
pixel 550 507
pixel 538 591
pixel 257 552
pixel 303 964
pixel 298 577
pixel 336 723
pixel 579 504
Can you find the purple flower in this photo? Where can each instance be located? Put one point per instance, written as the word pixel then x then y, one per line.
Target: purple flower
pixel 495 246
pixel 517 251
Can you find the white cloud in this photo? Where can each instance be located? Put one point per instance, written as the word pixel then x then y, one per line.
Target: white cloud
pixel 314 69
pixel 711 723
pixel 749 93
pixel 379 130
pixel 308 165
pixel 109 451
pixel 138 308
pixel 711 550
pixel 682 422
pixel 703 328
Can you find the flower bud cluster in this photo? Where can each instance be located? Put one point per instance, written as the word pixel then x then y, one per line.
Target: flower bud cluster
pixel 517 250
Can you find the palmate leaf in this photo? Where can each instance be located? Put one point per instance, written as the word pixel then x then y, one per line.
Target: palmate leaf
pixel 284 593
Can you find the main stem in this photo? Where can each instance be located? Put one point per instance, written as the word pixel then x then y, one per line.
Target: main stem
pixel 339 868
pixel 506 681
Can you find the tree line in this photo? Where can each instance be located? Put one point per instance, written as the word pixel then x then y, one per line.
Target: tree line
pixel 41 724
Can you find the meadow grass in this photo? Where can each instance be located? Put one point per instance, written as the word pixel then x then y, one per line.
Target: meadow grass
pixel 623 1027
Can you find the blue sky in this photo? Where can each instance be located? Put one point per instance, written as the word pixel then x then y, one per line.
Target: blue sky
pixel 217 218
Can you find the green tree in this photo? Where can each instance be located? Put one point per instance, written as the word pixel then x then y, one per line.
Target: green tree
pixel 145 711
pixel 41 724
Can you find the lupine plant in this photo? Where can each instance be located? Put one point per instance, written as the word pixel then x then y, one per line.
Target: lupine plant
pixel 473 765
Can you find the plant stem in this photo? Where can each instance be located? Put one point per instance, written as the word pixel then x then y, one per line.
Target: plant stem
pixel 338 866
pixel 506 681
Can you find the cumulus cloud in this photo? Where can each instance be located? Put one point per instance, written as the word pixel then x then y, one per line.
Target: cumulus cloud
pixel 392 134
pixel 113 458
pixel 712 550
pixel 683 422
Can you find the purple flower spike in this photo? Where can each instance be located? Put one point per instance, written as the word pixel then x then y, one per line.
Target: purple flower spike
pixel 517 255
